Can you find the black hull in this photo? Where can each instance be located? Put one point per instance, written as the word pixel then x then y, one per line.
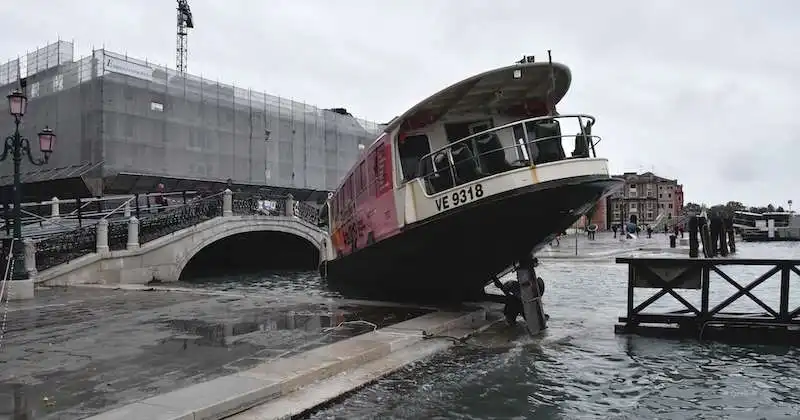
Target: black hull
pixel 453 256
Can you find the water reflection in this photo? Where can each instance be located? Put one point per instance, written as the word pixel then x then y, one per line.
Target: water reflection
pixel 313 319
pixel 580 369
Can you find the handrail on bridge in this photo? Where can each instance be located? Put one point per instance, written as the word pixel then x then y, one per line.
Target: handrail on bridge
pixel 79 215
pixel 66 245
pixel 479 162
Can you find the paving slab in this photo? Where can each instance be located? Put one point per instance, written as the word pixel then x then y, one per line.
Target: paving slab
pixel 222 397
pixel 83 351
pixel 326 391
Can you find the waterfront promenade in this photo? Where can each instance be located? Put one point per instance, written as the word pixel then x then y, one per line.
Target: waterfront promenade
pixel 84 350
pixel 81 351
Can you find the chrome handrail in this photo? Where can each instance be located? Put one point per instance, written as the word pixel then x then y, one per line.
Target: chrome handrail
pixel 510 125
pixel 521 163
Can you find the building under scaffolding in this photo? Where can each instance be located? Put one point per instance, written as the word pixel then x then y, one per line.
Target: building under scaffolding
pixel 125 125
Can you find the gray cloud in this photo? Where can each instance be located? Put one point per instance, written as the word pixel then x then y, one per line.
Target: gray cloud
pixel 699 91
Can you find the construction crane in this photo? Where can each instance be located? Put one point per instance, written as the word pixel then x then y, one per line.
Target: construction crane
pixel 185 22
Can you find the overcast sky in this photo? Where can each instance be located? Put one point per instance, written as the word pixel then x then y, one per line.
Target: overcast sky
pixel 700 91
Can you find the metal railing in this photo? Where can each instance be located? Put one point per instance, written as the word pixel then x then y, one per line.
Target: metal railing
pixel 670 275
pixel 536 141
pixel 41 219
pixel 65 246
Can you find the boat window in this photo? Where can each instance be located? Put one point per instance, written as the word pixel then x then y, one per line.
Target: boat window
pixel 348 190
pixel 457 131
pixel 382 177
pixel 411 149
pixel 362 177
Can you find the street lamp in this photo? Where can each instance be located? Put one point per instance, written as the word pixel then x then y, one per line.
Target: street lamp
pixel 16 145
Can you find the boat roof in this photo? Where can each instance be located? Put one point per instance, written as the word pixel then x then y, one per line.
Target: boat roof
pixel 493 91
pixel 746 213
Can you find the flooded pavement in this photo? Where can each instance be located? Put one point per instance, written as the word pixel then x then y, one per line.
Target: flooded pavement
pixel 81 351
pixel 94 349
pixel 580 369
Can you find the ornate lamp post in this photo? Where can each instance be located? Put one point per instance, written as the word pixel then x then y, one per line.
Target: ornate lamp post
pixel 16 146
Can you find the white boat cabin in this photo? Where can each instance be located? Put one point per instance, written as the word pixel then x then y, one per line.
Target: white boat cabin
pixel 488 134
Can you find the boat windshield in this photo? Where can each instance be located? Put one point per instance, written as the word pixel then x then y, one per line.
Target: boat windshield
pixel 524 143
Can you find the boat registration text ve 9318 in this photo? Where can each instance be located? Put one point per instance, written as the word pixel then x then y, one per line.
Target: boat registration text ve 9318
pixel 459 197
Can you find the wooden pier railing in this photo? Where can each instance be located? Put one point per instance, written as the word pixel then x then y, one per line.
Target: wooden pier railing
pixel 776 320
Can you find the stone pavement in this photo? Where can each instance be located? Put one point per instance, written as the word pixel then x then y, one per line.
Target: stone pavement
pixel 85 350
pixel 606 246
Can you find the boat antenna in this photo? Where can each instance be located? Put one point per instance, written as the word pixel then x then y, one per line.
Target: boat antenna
pixel 550 105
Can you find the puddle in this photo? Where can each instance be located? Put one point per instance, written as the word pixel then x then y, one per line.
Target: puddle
pixel 314 320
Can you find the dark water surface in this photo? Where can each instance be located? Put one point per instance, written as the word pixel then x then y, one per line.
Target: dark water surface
pixel 581 369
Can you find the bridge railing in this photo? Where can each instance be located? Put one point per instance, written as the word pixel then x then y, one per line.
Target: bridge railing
pixel 111 232
pixel 42 219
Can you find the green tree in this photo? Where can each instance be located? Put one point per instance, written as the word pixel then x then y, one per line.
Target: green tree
pixel 734 206
pixel 692 208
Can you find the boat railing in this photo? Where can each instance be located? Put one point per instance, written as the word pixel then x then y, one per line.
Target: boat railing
pixel 525 143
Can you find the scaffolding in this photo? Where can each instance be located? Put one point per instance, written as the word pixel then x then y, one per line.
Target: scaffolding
pixel 120 115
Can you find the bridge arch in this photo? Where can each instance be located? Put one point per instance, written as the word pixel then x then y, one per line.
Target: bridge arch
pixel 287 225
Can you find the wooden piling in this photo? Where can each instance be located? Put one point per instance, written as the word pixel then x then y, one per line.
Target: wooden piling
pixel 731 234
pixel 694 245
pixel 723 238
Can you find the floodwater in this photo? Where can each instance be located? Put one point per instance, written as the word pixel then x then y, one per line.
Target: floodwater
pixel 580 368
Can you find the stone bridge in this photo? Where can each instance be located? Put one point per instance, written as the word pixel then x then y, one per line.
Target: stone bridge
pixel 120 257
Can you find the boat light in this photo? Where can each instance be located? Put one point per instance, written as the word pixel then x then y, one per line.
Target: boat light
pixel 518 74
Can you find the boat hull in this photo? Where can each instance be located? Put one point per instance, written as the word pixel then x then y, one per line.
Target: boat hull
pixel 453 256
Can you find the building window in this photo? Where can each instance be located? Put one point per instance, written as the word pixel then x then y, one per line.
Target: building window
pixel 633 207
pixel 661 205
pixel 616 215
pixel 156 106
pixel 649 215
pixel 669 195
pixel 34 91
pixel 661 196
pixel 670 206
pixel 58 82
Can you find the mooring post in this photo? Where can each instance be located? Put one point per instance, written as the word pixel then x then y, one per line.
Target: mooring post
pixel 705 237
pixel 55 210
pixel 731 234
pixel 714 228
pixel 227 203
pixel 694 244
pixel 30 257
pixel 723 238
pixel 21 410
pixel 102 236
pixel 133 233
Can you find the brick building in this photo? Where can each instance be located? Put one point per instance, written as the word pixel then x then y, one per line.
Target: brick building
pixel 599 218
pixel 643 198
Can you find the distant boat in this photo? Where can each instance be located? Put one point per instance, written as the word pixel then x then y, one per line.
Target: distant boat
pixel 462 186
pixel 766 227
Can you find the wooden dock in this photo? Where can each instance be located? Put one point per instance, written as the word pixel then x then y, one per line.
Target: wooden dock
pixel 779 323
